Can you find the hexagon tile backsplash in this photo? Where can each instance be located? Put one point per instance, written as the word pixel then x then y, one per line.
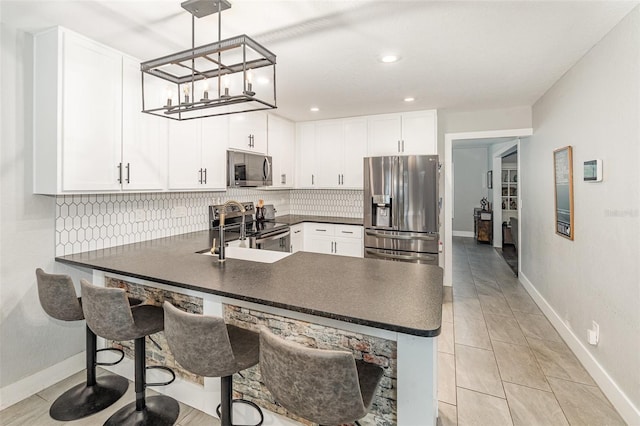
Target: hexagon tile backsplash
pixel 90 222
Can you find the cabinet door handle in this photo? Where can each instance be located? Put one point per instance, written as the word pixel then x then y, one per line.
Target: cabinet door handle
pixel 205 176
pixel 312 183
pixel 296 232
pixel 321 230
pixel 347 232
pixel 338 178
pixel 399 146
pixel 119 172
pixel 402 145
pixel 200 176
pixel 128 172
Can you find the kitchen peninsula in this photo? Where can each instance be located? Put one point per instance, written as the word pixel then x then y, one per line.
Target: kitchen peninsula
pixel 358 300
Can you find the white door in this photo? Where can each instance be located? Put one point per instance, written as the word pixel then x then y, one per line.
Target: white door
pixel 248 132
pixel 329 153
pixel 214 136
pixel 419 133
pixel 305 148
pixel 384 135
pixel 355 149
pixel 92 116
pixel 185 154
pixel 144 137
pixel 281 143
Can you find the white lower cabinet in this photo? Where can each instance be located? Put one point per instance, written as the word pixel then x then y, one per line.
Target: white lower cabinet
pixel 297 238
pixel 326 238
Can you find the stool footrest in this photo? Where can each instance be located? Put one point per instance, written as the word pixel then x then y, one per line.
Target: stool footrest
pixel 120 351
pixel 244 401
pixel 161 367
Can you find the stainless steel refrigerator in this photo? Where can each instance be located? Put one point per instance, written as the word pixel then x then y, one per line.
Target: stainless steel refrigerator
pixel 401 208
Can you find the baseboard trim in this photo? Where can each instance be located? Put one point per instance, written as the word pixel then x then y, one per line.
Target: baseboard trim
pixel 467 234
pixel 33 384
pixel 629 412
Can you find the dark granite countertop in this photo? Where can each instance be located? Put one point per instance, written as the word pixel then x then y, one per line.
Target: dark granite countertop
pixel 401 297
pixel 292 219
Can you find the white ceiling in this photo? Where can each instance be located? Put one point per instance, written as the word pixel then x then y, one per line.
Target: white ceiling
pixel 455 55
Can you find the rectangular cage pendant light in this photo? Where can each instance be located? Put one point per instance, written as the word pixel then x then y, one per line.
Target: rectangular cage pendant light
pixel 225 77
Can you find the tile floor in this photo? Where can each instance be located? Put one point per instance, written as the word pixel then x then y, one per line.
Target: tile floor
pixel 500 361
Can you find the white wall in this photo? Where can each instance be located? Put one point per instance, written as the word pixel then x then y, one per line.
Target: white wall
pixel 31 341
pixel 470 176
pixel 595 108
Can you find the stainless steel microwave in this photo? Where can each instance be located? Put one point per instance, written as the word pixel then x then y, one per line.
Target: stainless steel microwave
pixel 248 169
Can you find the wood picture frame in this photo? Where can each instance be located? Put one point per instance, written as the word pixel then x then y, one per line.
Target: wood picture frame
pixel 490 179
pixel 563 189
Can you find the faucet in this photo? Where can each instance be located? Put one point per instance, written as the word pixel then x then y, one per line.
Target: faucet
pixel 243 231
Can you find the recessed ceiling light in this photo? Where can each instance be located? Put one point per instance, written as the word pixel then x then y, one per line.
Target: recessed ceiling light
pixel 387 59
pixel 409 99
pixel 314 109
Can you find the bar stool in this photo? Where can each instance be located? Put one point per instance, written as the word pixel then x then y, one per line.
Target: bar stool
pixel 327 387
pixel 59 300
pixel 109 315
pixel 206 346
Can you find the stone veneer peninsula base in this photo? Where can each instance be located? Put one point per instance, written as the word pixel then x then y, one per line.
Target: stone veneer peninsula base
pixel 384 312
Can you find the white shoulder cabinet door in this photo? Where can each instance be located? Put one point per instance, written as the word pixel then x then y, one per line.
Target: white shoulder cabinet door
pixel 419 133
pixel 281 143
pixel 77 114
pixel 409 133
pixel 384 134
pixel 329 153
pixel 197 153
pixel 248 131
pixel 305 155
pixel 214 136
pixel 144 136
pixel 355 149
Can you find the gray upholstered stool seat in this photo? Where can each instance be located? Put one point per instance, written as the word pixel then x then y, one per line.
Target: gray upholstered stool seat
pixel 207 346
pixel 328 387
pixel 109 315
pixel 59 300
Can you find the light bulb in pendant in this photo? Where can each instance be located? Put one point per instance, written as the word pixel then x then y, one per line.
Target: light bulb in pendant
pixel 185 90
pixel 205 94
pixel 249 90
pixel 225 83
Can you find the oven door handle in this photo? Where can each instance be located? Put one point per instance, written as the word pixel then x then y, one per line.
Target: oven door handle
pixel 400 256
pixel 401 237
pixel 273 237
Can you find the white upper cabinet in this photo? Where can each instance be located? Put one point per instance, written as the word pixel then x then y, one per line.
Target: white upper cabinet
pixel 410 133
pixel 248 132
pixel 144 136
pixel 197 154
pixel 331 152
pixel 355 149
pixel 305 155
pixel 87 137
pixel 281 141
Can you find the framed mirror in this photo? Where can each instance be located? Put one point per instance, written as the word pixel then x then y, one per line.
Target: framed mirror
pixel 563 180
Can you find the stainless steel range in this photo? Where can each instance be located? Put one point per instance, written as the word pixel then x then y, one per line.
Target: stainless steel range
pixel 261 234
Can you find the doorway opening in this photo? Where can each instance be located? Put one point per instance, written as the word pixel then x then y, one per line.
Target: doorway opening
pixel 498 143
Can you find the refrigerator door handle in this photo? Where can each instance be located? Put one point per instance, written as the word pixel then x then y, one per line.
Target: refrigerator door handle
pixel 401 237
pixel 400 256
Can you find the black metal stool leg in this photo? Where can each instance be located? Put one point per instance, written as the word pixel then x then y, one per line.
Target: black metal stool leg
pixel 93 396
pixel 158 410
pixel 225 409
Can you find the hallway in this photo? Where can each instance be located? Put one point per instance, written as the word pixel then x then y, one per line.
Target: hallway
pixel 500 360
